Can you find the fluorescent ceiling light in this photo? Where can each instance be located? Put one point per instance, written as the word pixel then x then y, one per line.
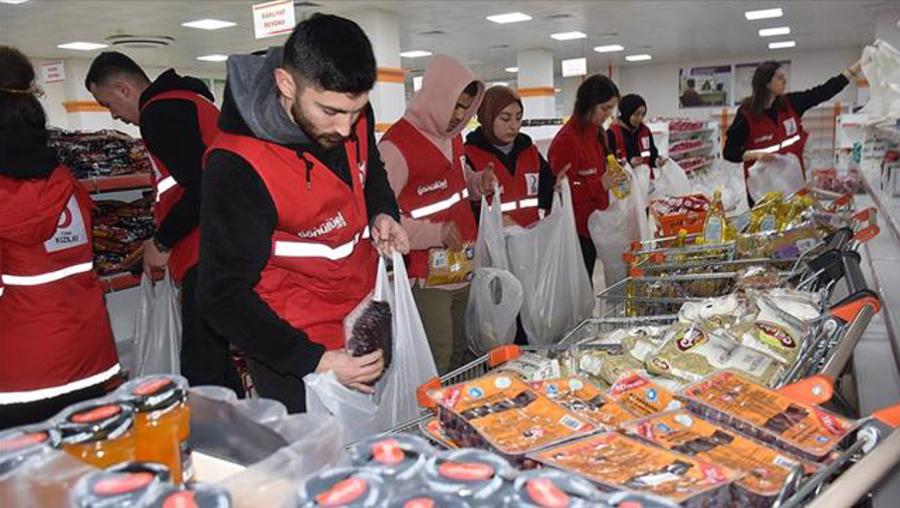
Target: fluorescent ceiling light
pixel 213 58
pixel 416 53
pixel 568 36
pixel 770 32
pixel 782 44
pixel 512 69
pixel 638 58
pixel 498 83
pixel 610 48
pixel 13 2
pixel 764 14
pixel 509 17
pixel 82 46
pixel 208 24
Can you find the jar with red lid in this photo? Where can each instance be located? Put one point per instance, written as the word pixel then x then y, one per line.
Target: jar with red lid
pixel 20 444
pixel 99 432
pixel 129 484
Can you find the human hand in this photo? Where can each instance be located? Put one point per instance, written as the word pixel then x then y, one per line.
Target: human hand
pixel 661 161
pixel 357 372
pixel 154 259
pixel 563 173
pixel 488 180
pixel 766 157
pixel 856 68
pixel 388 235
pixel 451 236
pixel 636 161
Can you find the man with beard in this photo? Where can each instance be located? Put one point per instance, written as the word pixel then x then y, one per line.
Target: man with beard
pixel 296 207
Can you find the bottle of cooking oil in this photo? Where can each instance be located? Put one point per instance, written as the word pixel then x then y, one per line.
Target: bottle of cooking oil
pixel 765 216
pixel 714 227
pixel 621 187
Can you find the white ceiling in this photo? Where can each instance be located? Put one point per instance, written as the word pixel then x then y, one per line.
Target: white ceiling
pixel 671 30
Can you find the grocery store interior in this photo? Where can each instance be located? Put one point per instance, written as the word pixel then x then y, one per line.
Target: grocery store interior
pixel 592 253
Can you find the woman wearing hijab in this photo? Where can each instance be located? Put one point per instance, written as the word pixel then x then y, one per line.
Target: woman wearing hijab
pixel 524 175
pixel 629 137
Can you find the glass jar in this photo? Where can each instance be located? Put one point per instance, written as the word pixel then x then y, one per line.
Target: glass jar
pixel 99 432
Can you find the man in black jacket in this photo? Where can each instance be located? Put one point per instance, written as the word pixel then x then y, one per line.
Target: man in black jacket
pixel 178 121
pixel 286 215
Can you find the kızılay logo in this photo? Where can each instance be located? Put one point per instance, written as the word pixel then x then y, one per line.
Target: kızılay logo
pixel 692 337
pixel 776 332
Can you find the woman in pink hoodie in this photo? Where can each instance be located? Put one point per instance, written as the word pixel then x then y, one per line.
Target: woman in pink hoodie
pixel 426 166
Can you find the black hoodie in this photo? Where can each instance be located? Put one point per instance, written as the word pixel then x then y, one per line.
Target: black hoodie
pixel 171 131
pixel 238 218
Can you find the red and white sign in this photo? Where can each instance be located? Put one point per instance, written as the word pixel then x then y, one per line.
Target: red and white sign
pixel 273 18
pixel 53 72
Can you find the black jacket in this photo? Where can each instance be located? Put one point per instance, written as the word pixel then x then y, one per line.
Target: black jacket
pixel 632 144
pixel 24 154
pixel 171 131
pixel 546 178
pixel 238 218
pixel 802 102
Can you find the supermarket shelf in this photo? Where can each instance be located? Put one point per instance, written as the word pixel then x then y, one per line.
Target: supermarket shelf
pixel 687 134
pixel 705 146
pixel 116 183
pixel 696 167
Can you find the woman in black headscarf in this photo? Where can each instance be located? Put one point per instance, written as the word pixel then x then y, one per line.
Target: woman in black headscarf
pixel 629 137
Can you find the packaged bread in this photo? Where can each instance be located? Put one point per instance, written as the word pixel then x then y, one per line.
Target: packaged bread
pixel 765 469
pixel 532 367
pixel 617 462
pixel 642 397
pixel 501 412
pixel 806 431
pixel 585 399
pixel 604 367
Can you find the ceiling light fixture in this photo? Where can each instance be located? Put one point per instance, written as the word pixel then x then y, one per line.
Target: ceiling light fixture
pixel 764 14
pixel 568 36
pixel 782 44
pixel 416 53
pixel 208 24
pixel 509 17
pixel 13 2
pixel 213 58
pixel 81 46
pixel 609 48
pixel 512 70
pixel 498 83
pixel 638 58
pixel 770 32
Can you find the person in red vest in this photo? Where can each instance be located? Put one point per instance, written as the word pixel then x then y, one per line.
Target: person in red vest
pixel 296 208
pixel 769 121
pixel 525 178
pixel 579 151
pixel 177 119
pixel 426 164
pixel 629 137
pixel 56 344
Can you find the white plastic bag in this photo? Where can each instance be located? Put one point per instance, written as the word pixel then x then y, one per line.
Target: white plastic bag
pixel 670 180
pixel 394 401
pixel 546 258
pixel 157 328
pixel 495 299
pixel 881 65
pixel 490 247
pixel 782 174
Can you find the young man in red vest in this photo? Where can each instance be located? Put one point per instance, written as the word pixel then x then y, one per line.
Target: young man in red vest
pixel 296 206
pixel 426 163
pixel 177 119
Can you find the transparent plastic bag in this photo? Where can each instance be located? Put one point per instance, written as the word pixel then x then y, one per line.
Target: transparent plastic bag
pixel 490 247
pixel 495 298
pixel 157 328
pixel 546 258
pixel 670 180
pixel 881 65
pixel 45 481
pixel 783 174
pixel 394 401
pixel 614 229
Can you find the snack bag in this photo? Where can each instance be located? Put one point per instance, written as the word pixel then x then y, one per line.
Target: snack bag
pixel 447 266
pixel 642 397
pixel 368 328
pixel 585 400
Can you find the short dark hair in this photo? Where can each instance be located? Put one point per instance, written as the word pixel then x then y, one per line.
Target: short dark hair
pixel 333 53
pixel 19 108
pixel 596 89
pixel 691 83
pixel 111 63
pixel 471 89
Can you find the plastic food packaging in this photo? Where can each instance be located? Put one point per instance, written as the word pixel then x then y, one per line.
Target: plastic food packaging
pixel 125 485
pixel 99 432
pixel 758 277
pixel 642 397
pixel 401 457
pixel 21 444
pixel 345 486
pixel 605 367
pixel 476 476
pixel 424 498
pixel 447 266
pixel 371 330
pixel 500 412
pixel 787 244
pixel 197 496
pixel 433 430
pixel 45 481
pixel 771 335
pixel 532 367
pixel 162 422
pixel 547 487
pixel 808 432
pixel 766 469
pixel 617 462
pixel 585 400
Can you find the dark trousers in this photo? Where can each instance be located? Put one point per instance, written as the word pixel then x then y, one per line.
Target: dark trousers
pixel 205 357
pixel 285 388
pixel 13 415
pixel 589 253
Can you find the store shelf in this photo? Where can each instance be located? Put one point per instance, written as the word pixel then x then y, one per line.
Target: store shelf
pixel 116 183
pixel 697 167
pixel 676 155
pixel 678 135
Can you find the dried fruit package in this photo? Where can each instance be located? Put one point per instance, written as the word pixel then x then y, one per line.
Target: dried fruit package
pixel 585 400
pixel 806 431
pixel 446 266
pixel 500 412
pixel 642 397
pixel 766 469
pixel 617 462
pixel 370 328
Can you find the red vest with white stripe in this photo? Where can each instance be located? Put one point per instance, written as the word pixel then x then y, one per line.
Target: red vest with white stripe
pixel 519 191
pixel 435 190
pixel 55 336
pixel 322 263
pixel 185 252
pixel 643 135
pixel 784 136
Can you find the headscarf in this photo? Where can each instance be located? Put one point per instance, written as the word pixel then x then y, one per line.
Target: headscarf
pixel 495 99
pixel 628 105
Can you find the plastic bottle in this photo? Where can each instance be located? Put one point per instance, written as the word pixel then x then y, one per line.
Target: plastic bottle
pixel 714 227
pixel 621 187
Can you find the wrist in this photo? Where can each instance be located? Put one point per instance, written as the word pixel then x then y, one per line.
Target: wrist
pixel 159 245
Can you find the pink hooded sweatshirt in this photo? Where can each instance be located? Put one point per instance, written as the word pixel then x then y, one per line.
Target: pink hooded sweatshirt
pixel 430 111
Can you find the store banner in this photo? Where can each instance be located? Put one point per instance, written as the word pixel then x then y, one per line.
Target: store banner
pixel 273 18
pixel 701 87
pixel 53 72
pixel 743 78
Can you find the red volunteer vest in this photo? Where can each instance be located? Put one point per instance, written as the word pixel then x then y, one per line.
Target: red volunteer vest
pixel 185 252
pixel 55 336
pixel 322 263
pixel 436 189
pixel 643 142
pixel 784 136
pixel 588 168
pixel 519 191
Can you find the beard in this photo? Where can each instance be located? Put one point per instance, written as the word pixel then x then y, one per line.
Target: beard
pixel 326 140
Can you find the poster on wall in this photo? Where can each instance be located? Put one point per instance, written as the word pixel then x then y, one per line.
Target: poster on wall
pixel 700 87
pixel 52 72
pixel 743 79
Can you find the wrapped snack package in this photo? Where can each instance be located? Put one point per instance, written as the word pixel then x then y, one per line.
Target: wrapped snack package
pixel 617 462
pixel 447 266
pixel 808 432
pixel 773 336
pixel 642 397
pixel 345 486
pixel 758 277
pixel 532 367
pixel 368 328
pixel 585 400
pixel 547 487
